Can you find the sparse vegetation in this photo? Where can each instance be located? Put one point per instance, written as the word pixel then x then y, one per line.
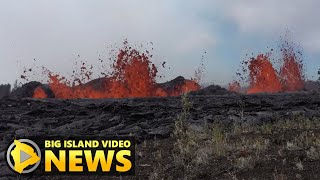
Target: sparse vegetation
pixel 266 128
pixel 187 152
pixel 233 151
pixel 313 153
pixel 244 163
pixel 218 141
pixel 158 169
pixel 280 176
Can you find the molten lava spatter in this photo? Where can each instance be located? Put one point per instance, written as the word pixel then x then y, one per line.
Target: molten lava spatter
pixel 39 93
pixel 291 72
pixel 263 77
pixel 133 76
pixel 234 86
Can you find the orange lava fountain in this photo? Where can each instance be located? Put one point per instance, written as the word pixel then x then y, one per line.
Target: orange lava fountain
pixel 39 93
pixel 291 72
pixel 263 77
pixel 133 76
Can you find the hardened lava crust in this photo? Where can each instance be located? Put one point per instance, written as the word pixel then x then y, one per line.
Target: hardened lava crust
pixel 145 118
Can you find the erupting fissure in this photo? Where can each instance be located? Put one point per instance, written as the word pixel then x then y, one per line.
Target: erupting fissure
pixel 291 71
pixel 263 77
pixel 133 75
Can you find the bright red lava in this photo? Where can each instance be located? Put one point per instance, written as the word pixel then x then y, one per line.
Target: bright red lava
pixel 291 72
pixel 39 93
pixel 133 76
pixel 263 77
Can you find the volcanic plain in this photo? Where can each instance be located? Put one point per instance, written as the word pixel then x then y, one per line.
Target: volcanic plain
pixel 209 134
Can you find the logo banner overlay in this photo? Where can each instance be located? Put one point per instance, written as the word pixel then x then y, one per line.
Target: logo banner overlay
pixel 80 156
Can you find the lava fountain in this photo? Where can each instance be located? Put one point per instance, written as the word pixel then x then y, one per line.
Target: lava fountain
pixel 263 77
pixel 133 75
pixel 291 72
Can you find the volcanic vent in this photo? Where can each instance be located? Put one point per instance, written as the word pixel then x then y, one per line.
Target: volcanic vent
pixel 132 75
pixel 264 77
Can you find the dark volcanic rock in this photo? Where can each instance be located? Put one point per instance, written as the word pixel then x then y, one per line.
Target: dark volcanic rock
pixel 27 90
pixel 4 90
pixel 144 117
pixel 171 84
pixel 212 90
pixel 312 86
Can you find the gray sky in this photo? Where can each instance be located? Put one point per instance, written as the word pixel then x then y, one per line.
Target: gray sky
pixel 55 32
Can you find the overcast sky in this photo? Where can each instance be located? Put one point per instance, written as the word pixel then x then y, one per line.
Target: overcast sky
pixel 54 32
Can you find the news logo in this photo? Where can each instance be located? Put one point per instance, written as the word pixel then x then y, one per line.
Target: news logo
pixel 23 156
pixel 109 156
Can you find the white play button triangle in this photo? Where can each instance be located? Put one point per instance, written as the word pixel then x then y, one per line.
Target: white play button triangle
pixel 24 156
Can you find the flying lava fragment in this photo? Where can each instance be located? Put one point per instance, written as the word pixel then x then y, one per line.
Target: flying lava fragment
pixel 133 75
pixel 264 77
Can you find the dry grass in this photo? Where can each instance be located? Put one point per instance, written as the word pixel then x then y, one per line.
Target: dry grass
pixel 243 163
pixel 242 146
pixel 219 141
